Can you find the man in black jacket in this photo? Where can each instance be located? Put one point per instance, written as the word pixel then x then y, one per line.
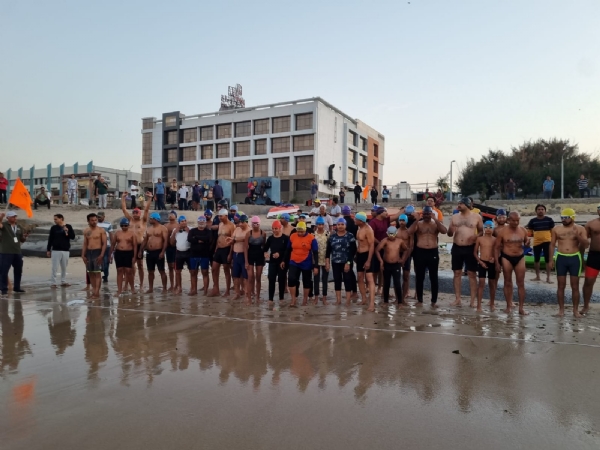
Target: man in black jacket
pixel 357 192
pixel 59 244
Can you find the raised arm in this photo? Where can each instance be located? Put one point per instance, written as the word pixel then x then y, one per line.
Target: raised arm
pixel 440 226
pixel 147 207
pixel 124 206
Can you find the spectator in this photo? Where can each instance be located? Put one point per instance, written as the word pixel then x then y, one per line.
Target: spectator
pixel 374 193
pixel 3 188
pixel 218 192
pixel 101 187
pixel 336 210
pixel 72 190
pixel 160 189
pixel 183 195
pixel 439 198
pixel 510 189
pixel 59 244
pixel 342 194
pixel 42 198
pixel 548 187
pixel 314 191
pixel 173 193
pixel 11 238
pixel 135 191
pixel 357 192
pixel 385 195
pixel 582 185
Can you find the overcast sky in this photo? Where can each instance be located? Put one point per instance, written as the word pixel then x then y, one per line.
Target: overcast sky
pixel 442 80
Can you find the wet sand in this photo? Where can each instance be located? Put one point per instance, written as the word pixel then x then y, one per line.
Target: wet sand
pixel 158 371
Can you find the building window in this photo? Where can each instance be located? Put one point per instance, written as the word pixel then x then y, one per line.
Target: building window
pixel 242 148
pixel 282 166
pixel 304 142
pixel 376 150
pixel 148 124
pixel 281 124
pixel 170 121
pixel 205 171
pixel 172 155
pixel 260 167
pixel 223 151
pixel 206 133
pixel 190 135
pixel 352 157
pixel 224 131
pixel 260 147
pixel 188 173
pixel 364 179
pixel 285 185
pixel 170 173
pixel 363 144
pixel 241 169
pixel 261 126
pixel 146 175
pixel 224 171
pixel 147 148
pixel 304 121
pixel 206 152
pixel 189 154
pixel 304 165
pixel 375 182
pixel 280 145
pixel 352 138
pixel 172 137
pixel 243 129
pixel 302 185
pixel 363 161
pixel 375 167
pixel 351 176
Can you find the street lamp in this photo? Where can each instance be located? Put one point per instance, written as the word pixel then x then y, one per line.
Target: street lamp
pixel 451 162
pixel 562 173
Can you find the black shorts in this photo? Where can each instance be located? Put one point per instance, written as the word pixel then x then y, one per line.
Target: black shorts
pixel 256 257
pixel 489 273
pixel 406 266
pixel 593 260
pixel 571 264
pixel 123 258
pixel 182 258
pixel 154 261
pixel 170 254
pixel 463 255
pixel 92 263
pixel 537 252
pixel 361 259
pixel 222 255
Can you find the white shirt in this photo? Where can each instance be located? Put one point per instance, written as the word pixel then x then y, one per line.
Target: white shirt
pixel 183 192
pixel 71 184
pixel 336 210
pixel 181 242
pixel 135 190
pixel 316 211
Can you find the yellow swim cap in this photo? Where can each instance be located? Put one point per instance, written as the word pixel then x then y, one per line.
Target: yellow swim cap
pixel 301 226
pixel 568 212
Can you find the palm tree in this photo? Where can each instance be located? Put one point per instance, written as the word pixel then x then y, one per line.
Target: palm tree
pixel 442 183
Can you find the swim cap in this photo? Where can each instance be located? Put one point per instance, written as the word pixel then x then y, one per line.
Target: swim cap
pixel 255 219
pixel 181 219
pixel 317 201
pixel 346 211
pixel 320 221
pixel 374 208
pixel 466 201
pixel 222 202
pixel 155 216
pixel 381 210
pixel 173 212
pixel 568 212
pixel 303 216
pixel 223 212
pixel 208 212
pixel 276 224
pixel 501 212
pixel 392 230
pixel 361 216
pixel 301 226
pixel 201 219
pixel 285 216
pixel 341 221
pixel 233 208
pixel 403 217
pixel 409 209
pixel 137 210
pixel 124 221
pixel 427 209
pixel 488 223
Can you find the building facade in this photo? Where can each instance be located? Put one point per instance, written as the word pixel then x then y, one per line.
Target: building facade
pixel 295 141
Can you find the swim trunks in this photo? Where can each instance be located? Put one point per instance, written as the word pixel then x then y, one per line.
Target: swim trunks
pixel 203 263
pixel 238 266
pixel 490 272
pixel 463 254
pixel 170 254
pixel 92 264
pixel 592 264
pixel 361 259
pixel 181 259
pixel 570 264
pixel 153 261
pixel 513 260
pixel 123 258
pixel 222 255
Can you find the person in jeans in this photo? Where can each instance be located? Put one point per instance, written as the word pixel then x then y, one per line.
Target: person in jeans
pixel 510 189
pixel 72 190
pixel 321 274
pixel 548 187
pixel 385 195
pixel 109 235
pixel 160 189
pixel 218 192
pixel 3 188
pixel 11 238
pixel 59 244
pixel 582 185
pixel 42 198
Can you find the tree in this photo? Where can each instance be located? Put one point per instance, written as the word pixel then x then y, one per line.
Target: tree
pixel 442 183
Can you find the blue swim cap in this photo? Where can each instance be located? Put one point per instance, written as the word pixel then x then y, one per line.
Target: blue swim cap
pixel 201 219
pixel 320 221
pixel 381 210
pixel 409 209
pixel 488 224
pixel 501 212
pixel 341 221
pixel 208 212
pixel 173 212
pixel 374 208
pixel 155 216
pixel 181 219
pixel 124 221
pixel 303 216
pixel 392 230
pixel 427 209
pixel 285 216
pixel 403 217
pixel 361 216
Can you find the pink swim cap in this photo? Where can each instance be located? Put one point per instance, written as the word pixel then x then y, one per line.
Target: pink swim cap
pixel 255 219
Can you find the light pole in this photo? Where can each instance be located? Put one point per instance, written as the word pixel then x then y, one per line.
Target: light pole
pixel 451 162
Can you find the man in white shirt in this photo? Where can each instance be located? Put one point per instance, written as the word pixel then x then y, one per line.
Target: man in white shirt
pixel 179 239
pixel 135 191
pixel 327 217
pixel 183 195
pixel 316 211
pixel 336 210
pixel 72 189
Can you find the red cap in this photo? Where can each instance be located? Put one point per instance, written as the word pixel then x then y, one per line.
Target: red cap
pixel 137 209
pixel 276 224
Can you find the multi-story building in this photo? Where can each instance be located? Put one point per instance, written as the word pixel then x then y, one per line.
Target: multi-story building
pixel 295 141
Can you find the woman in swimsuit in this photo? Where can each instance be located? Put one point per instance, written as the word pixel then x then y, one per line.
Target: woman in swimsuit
pixel 255 259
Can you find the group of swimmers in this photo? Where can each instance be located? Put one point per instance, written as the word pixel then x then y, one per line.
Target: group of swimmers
pixel 365 255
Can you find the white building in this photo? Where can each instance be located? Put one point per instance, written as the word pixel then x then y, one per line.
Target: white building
pixel 295 141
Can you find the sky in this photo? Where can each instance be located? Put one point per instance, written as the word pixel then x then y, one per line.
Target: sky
pixel 443 80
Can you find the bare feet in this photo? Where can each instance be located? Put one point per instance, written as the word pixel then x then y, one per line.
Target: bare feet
pixel 536 279
pixel 522 312
pixel 577 314
pixel 584 311
pixel 348 302
pixel 457 303
pixel 434 306
pixel 371 308
pixel 305 302
pixel 507 310
pixel 227 294
pixel 363 303
pixel 354 296
pixel 560 313
pixel 479 310
pixel 419 304
pixel 549 281
pixel 338 303
pixel 214 293
pixel 193 293
pixel 472 305
pixel 118 293
pixel 149 291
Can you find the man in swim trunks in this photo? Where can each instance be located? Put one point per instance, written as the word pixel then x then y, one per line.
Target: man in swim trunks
pixel 221 256
pixel 464 228
pixel 125 256
pixel 409 240
pixel 200 239
pixel 137 223
pixel 155 243
pixel 572 241
pixel 366 263
pixel 541 226
pixel 94 246
pixel 592 265
pixel 509 244
pixel 485 252
pixel 238 259
pixel 394 253
pixel 179 238
pixel 171 249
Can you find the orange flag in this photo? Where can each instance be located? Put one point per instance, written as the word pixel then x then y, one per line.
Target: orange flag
pixel 20 197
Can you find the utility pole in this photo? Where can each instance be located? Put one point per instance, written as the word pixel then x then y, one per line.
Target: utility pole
pixel 451 196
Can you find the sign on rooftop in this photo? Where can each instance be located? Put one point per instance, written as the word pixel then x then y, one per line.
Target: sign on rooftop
pixel 233 99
